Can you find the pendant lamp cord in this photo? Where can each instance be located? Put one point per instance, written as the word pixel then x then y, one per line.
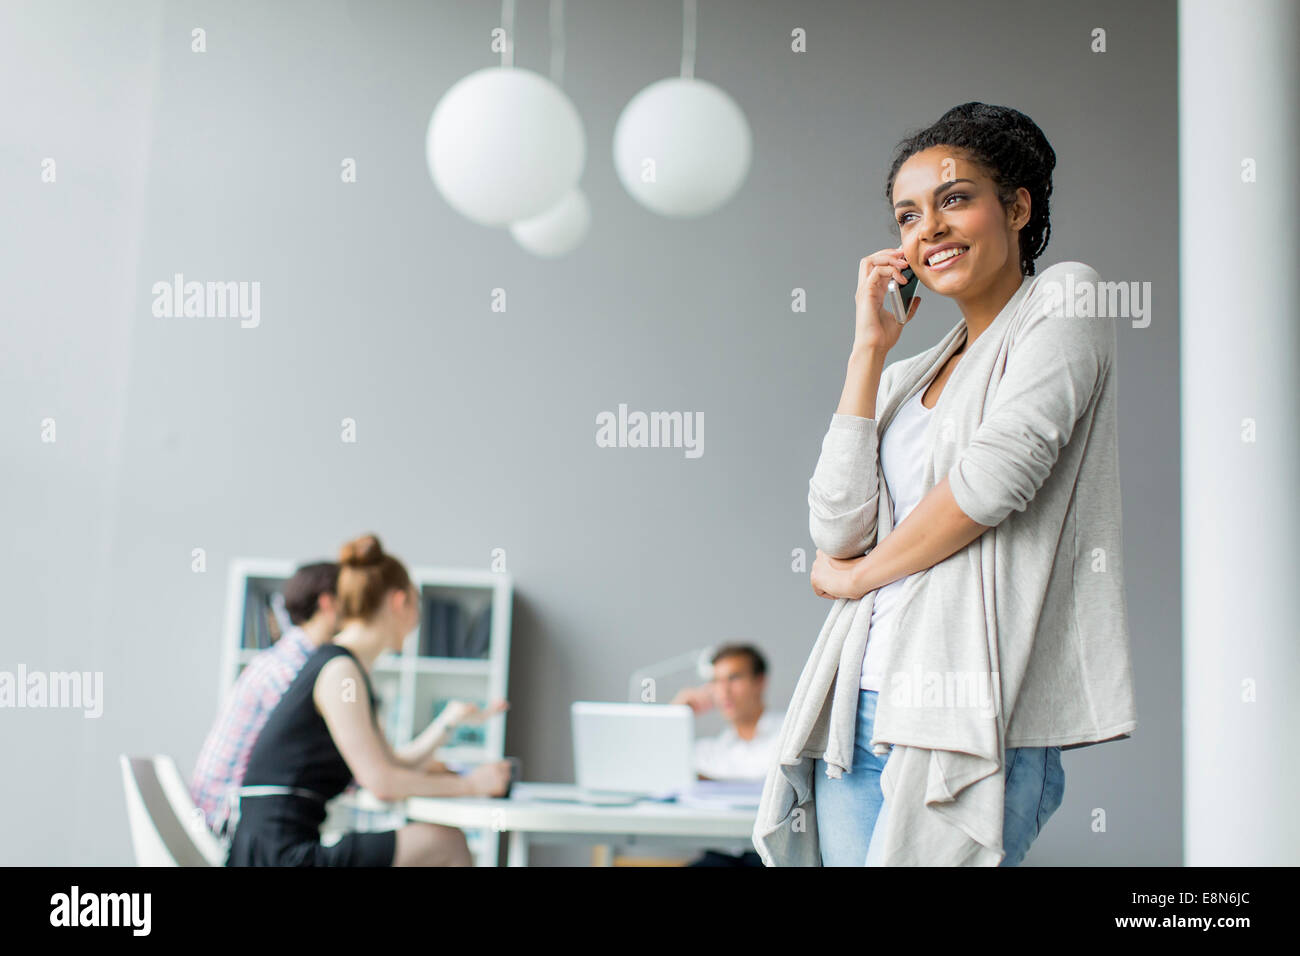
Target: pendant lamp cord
pixel 688 39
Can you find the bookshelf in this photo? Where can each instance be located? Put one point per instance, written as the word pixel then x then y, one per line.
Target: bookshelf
pixel 461 651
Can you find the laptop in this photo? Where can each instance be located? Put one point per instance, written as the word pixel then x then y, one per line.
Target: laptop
pixel 623 753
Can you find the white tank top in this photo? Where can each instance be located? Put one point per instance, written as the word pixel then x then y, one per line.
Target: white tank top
pixel 902 458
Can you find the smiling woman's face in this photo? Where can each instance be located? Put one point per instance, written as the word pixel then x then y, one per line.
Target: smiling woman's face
pixel 942 199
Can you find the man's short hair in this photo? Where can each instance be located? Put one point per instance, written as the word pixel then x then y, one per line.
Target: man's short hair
pixel 757 663
pixel 302 591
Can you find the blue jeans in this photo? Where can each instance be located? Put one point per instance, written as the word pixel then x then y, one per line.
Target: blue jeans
pixel 848 807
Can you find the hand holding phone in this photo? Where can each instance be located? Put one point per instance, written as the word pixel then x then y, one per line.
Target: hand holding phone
pixel 879 276
pixel 491 779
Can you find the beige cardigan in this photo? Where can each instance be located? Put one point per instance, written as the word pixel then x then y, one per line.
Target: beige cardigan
pixel 1020 639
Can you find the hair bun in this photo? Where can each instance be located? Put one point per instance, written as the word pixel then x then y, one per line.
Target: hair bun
pixel 363 552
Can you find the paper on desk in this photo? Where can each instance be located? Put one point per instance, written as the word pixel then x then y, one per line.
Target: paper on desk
pixel 723 794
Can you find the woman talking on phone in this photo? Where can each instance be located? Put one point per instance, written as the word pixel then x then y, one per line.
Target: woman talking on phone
pixel 324 733
pixel 966 511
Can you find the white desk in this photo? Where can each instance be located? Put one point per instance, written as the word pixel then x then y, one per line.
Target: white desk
pixel 647 822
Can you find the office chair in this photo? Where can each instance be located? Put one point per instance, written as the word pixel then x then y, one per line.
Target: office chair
pixel 166 828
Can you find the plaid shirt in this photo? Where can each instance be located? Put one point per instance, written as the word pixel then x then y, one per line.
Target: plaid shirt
pixel 219 771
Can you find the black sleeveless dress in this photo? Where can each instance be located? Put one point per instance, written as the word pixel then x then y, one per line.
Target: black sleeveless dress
pixel 295 750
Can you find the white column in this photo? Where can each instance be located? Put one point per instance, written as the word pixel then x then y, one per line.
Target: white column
pixel 1239 247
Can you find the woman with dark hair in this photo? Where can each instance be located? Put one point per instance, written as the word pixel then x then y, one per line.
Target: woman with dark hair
pixel 324 733
pixel 967 516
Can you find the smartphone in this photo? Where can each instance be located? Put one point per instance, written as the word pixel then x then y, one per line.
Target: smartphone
pixel 902 298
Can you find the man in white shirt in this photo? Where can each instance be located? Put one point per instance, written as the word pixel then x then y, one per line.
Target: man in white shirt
pixel 746 748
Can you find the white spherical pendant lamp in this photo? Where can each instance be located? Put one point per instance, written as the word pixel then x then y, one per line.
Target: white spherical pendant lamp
pixel 505 144
pixel 559 230
pixel 682 147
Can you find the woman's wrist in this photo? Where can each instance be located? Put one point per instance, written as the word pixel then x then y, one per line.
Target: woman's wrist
pixel 865 353
pixel 863 576
pixel 862 381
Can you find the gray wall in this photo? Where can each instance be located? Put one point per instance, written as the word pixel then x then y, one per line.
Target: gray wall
pixel 476 429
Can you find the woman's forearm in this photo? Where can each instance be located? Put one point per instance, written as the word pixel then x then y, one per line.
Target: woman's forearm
pixel 932 531
pixel 417 753
pixel 398 783
pixel 861 382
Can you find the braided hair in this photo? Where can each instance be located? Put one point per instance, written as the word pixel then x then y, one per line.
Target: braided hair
pixel 1010 147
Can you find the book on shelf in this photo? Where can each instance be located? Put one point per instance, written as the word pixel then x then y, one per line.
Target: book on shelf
pixel 272 625
pixel 281 613
pixel 449 630
pixel 265 618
